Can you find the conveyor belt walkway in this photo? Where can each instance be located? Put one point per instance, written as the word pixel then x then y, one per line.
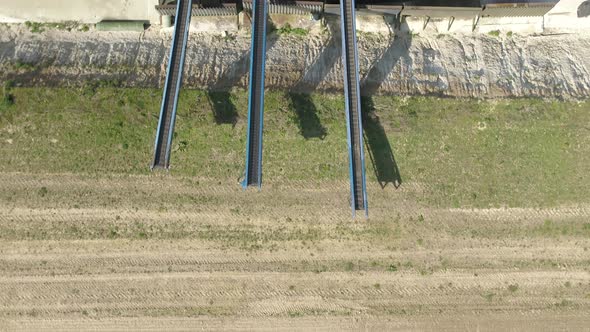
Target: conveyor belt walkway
pixel 353 107
pixel 172 87
pixel 253 175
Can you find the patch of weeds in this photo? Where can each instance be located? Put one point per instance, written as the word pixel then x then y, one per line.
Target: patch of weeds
pixel 348 266
pixel 288 30
pixel 182 145
pixel 547 228
pixel 113 233
pixel 392 268
pixel 229 36
pixel 420 242
pixel 513 288
pixel 34 27
pixel 141 232
pixel 509 34
pixel 89 88
pixel 291 287
pixel 494 33
pixel 377 286
pixel 38 27
pixel 568 284
pixel 43 191
pixel 564 303
pixel 489 296
pixel 425 272
pixel 22 65
pixel 293 314
pixel 320 269
pixel 111 83
pixel 7 97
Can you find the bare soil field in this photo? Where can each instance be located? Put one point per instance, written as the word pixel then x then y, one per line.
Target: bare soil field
pixel 286 258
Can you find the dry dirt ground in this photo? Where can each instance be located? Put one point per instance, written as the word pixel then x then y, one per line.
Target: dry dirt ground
pixel 85 252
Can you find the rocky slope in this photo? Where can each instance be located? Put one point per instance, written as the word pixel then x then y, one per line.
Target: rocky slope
pixel 472 65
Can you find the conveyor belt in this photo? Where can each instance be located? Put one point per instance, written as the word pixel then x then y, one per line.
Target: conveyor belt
pixel 256 96
pixel 172 87
pixel 353 107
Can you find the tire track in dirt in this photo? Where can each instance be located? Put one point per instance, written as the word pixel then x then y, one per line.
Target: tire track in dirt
pixel 471 322
pixel 156 262
pixel 391 266
pixel 133 293
pixel 524 213
pixel 321 202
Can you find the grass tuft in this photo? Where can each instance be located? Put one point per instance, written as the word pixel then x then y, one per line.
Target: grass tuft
pixel 23 65
pixel 7 97
pixel 494 33
pixel 288 30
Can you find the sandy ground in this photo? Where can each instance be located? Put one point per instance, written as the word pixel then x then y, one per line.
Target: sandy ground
pixel 128 252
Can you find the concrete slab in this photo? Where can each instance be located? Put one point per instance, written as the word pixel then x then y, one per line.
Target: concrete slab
pixel 84 11
pixel 214 24
pixel 564 17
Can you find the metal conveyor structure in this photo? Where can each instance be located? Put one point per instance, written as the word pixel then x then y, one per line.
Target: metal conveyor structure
pixel 253 174
pixel 353 108
pixel 172 86
pixel 347 9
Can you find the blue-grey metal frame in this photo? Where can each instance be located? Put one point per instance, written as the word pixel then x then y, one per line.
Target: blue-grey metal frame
pixel 176 93
pixel 343 18
pixel 251 92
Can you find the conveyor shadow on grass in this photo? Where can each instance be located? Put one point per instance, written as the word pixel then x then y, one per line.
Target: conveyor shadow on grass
pixel 376 140
pixel 224 110
pixel 309 122
pixel 378 147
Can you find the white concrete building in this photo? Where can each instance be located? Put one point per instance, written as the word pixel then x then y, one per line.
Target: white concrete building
pixel 564 16
pixel 84 11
